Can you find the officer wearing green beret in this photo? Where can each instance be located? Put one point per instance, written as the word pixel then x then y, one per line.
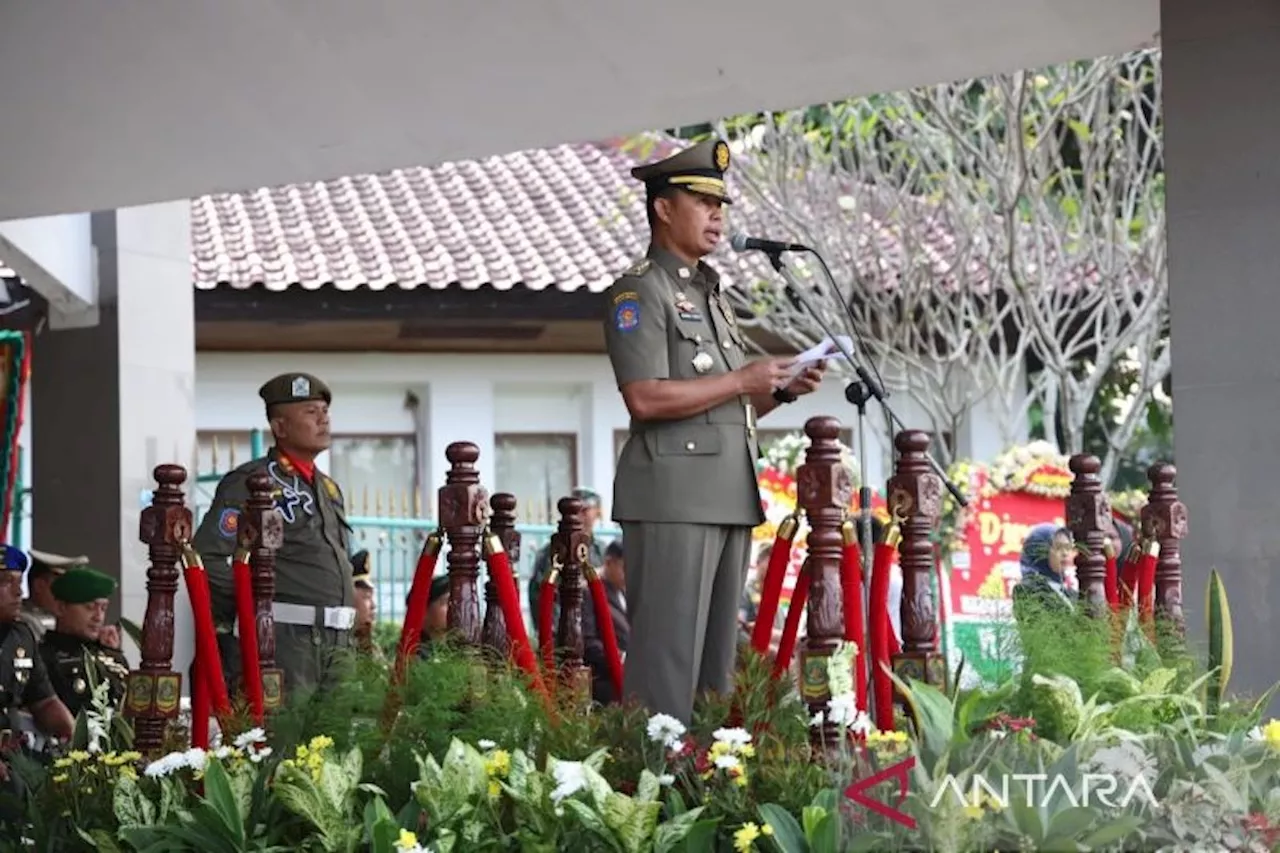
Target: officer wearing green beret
pixel 314 605
pixel 73 651
pixel 685 488
pixel 24 680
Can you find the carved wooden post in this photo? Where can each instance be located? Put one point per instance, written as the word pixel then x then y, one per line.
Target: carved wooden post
pixel 1089 518
pixel 503 524
pixel 1164 519
pixel 261 532
pixel 464 509
pixel 918 491
pixel 571 544
pixel 824 489
pixel 154 688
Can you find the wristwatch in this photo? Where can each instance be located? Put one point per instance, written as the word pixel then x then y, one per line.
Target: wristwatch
pixel 782 395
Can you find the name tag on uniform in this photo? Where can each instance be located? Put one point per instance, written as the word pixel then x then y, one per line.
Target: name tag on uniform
pixel 22 663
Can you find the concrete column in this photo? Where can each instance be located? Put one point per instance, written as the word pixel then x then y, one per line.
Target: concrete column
pixel 458 408
pixel 112 401
pixel 1222 120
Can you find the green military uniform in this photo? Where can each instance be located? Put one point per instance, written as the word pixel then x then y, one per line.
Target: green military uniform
pixel 314 597
pixel 24 681
pixel 685 491
pixel 74 663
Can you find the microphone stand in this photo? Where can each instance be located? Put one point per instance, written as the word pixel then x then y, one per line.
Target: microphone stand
pixel 859 393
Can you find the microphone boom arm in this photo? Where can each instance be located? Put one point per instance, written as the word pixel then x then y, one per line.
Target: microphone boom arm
pixel 796 294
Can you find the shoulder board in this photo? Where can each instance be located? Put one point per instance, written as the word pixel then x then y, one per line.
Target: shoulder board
pixel 639 268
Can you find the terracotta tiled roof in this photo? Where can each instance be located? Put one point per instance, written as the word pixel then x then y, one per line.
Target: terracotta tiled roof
pixel 568 217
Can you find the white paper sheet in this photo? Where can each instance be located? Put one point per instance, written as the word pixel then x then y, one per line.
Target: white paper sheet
pixel 821 351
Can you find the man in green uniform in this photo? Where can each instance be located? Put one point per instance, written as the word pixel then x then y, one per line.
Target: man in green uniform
pixel 73 652
pixel 24 681
pixel 685 491
pixel 37 610
pixel 314 605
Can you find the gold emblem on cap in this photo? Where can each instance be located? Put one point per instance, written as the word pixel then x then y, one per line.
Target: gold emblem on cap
pixel 722 155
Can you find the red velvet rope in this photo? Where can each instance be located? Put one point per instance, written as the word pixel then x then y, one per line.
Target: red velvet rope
pixel 1128 585
pixel 499 565
pixel 779 559
pixel 416 608
pixel 604 622
pixel 246 622
pixel 208 686
pixel 883 641
pixel 1111 583
pixel 546 615
pixel 854 627
pixel 1147 588
pixel 795 609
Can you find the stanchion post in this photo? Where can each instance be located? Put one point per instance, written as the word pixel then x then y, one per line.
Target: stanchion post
pixel 464 511
pixel 155 690
pixel 261 532
pixel 1089 519
pixel 1164 520
pixel 502 522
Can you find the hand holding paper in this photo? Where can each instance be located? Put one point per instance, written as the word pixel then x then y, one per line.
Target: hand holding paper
pixel 819 352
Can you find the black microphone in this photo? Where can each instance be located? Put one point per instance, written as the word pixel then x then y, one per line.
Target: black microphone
pixel 742 243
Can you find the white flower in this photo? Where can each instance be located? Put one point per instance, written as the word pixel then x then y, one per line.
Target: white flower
pixel 842 709
pixel 736 737
pixel 223 752
pixel 666 779
pixel 247 739
pixel 570 778
pixel 817 720
pixel 96 729
pixel 166 764
pixel 728 762
pixel 256 757
pixel 666 730
pixel 997 734
pixel 196 758
pixel 1126 760
pixel 485 744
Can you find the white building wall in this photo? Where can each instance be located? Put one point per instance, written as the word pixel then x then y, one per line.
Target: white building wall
pixel 473 396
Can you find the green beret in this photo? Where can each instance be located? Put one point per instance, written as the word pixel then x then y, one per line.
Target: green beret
pixel 698 169
pixel 80 585
pixel 294 388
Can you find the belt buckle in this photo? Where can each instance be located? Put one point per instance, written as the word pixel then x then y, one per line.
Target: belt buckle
pixel 339 618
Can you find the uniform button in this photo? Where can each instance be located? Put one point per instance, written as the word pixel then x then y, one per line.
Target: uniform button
pixel 725 344
pixel 690 445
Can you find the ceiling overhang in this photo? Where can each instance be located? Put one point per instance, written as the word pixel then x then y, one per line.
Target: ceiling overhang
pixel 115 104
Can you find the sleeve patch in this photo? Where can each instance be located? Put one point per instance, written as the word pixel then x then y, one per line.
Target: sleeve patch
pixel 626 315
pixel 229 523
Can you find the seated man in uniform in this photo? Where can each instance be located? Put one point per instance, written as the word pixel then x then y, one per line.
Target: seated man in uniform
pixel 24 681
pixel 73 651
pixel 37 610
pixel 366 606
pixel 436 624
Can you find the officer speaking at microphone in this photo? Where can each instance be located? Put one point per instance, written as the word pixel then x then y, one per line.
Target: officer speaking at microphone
pixel 314 605
pixel 685 492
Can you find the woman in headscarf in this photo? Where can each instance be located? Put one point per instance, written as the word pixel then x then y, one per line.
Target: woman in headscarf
pixel 1046 553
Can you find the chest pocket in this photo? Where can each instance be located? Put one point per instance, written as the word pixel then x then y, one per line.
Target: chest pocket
pixel 694 351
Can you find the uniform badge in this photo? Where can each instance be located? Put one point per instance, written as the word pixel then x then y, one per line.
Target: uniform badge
pixel 727 311
pixel 702 362
pixel 687 310
pixel 301 387
pixel 626 315
pixel 721 154
pixel 20 659
pixel 228 523
pixel 332 488
pixel 639 268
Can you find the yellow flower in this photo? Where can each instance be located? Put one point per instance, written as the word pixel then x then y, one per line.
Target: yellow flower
pixel 1271 734
pixel 60 778
pixel 972 812
pixel 745 838
pixel 767 829
pixel 747 751
pixel 62 762
pixel 131 756
pixel 128 772
pixel 740 780
pixel 407 840
pixel 78 755
pixel 498 763
pixel 320 742
pixel 494 789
